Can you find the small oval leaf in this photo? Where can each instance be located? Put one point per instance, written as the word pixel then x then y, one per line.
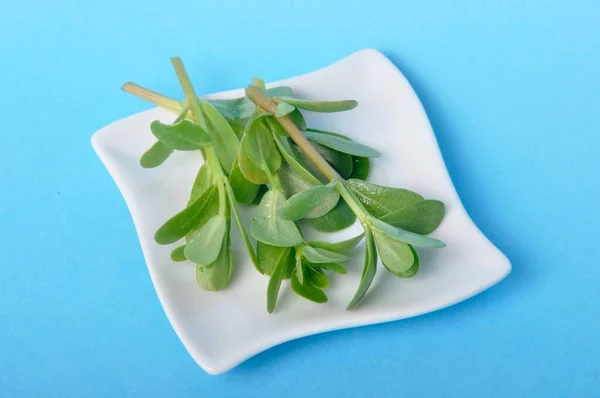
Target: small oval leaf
pixel 244 190
pixel 341 144
pixel 268 227
pixel 421 217
pixel 260 147
pixel 249 171
pixel 395 255
pixel 303 204
pixel 318 256
pixel 155 156
pixel 181 136
pixel 335 267
pixel 177 254
pixel 218 275
pixel 406 236
pixel 321 106
pixel 205 244
pixel 380 200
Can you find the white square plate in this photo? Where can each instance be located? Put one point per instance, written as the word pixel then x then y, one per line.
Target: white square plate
pixel 222 329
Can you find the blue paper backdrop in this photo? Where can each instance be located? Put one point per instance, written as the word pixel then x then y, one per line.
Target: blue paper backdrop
pixel 513 92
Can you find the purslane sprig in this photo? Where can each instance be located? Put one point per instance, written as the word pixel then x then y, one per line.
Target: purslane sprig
pixel 258 150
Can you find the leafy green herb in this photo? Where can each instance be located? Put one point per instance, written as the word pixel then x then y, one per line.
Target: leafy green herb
pixel 258 150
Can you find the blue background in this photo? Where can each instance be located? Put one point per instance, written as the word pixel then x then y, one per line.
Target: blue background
pixel 513 92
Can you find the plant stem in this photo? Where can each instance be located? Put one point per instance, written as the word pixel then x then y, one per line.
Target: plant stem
pixel 157 99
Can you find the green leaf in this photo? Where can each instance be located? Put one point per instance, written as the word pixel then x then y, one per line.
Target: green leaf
pixel 242 108
pixel 294 161
pixel 243 190
pixel 317 278
pixel 395 255
pixel 268 227
pixel 337 219
pixel 415 267
pixel 317 256
pixel 241 228
pixel 249 171
pixel 307 290
pixel 293 183
pixel 204 180
pixel 275 285
pixel 181 136
pixel 380 200
pixel 335 267
pixel 344 247
pixel 218 275
pixel 155 156
pixel 406 236
pixel 177 254
pixel 361 167
pixel 421 217
pixel 186 220
pixel 369 270
pixel 223 139
pixel 309 203
pixel 260 147
pixel 283 108
pixel 237 129
pixel 341 144
pixel 320 106
pixel 269 257
pixel 205 244
pixel 341 162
